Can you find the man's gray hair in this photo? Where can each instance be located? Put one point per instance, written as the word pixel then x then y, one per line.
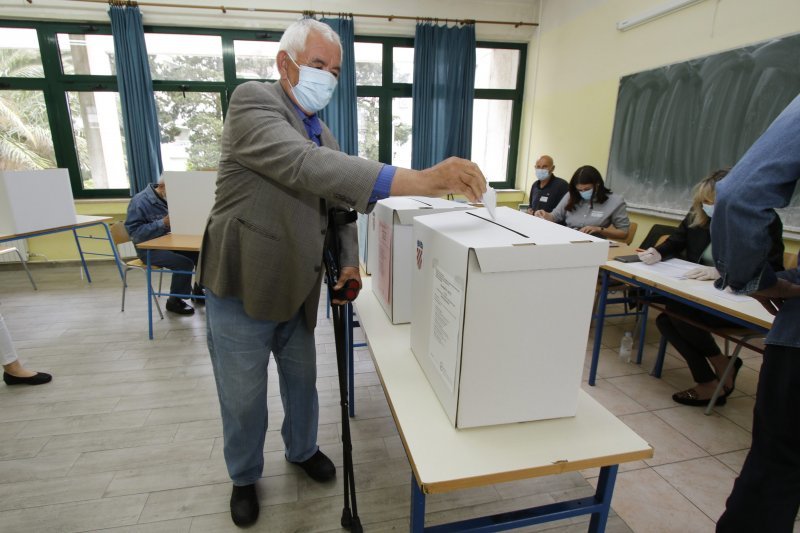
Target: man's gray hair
pixel 294 38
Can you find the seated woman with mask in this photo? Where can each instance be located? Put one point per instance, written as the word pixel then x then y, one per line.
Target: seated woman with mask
pixel 590 207
pixel 692 241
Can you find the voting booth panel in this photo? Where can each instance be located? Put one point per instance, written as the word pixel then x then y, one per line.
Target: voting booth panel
pixel 190 196
pixel 33 200
pixel 501 314
pixel 393 250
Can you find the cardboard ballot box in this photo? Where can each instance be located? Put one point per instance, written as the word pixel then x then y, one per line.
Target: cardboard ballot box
pixel 501 313
pixel 34 200
pixel 392 250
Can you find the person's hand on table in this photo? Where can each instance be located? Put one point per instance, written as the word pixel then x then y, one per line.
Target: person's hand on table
pixel 703 273
pixel 651 256
pixel 592 230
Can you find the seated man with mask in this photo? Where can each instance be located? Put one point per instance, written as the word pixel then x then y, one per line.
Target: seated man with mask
pixel 548 189
pixel 147 219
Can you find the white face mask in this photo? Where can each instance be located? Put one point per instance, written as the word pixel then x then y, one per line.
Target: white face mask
pixel 709 209
pixel 542 173
pixel 586 195
pixel 314 89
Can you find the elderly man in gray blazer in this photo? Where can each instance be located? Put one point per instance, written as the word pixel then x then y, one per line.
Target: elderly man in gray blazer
pixel 280 170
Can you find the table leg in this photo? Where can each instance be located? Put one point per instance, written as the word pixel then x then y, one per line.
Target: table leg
pixel 150 297
pixel 642 332
pixel 600 319
pixel 417 521
pixel 605 489
pixel 80 252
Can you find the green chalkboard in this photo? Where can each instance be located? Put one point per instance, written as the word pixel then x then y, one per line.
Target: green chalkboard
pixel 675 124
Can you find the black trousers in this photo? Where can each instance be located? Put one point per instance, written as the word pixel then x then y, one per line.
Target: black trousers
pixel 694 344
pixel 766 495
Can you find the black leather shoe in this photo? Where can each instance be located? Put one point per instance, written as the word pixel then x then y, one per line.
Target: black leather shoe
pixel 318 467
pixel 40 378
pixel 244 505
pixel 198 291
pixel 178 306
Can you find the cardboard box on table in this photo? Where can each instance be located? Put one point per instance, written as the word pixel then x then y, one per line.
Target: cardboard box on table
pixel 33 200
pixel 392 249
pixel 501 314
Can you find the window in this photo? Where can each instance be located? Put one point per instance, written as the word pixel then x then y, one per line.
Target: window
pixel 86 54
pixel 497 110
pixel 184 57
pixel 19 53
pixel 369 63
pixel 191 129
pixel 25 139
pixel 403 65
pixel 496 68
pixel 99 142
pixel 256 60
pixel 384 98
pixel 491 137
pixel 58 88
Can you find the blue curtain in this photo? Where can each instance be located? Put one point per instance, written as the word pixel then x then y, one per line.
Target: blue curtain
pixel 444 83
pixel 139 118
pixel 341 114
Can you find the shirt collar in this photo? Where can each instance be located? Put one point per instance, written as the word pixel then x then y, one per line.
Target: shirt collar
pixel 312 123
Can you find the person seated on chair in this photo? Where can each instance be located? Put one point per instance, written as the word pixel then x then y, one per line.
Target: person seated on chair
pixel 692 241
pixel 590 207
pixel 13 371
pixel 147 219
pixel 548 189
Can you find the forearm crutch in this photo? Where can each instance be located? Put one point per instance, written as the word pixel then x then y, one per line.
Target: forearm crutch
pixel 350 519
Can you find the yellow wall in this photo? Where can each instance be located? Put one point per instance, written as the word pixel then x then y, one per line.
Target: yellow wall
pixel 577 58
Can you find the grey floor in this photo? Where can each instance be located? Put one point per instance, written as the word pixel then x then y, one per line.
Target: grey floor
pixel 127 437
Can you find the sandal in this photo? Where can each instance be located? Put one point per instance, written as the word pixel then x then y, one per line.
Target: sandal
pixel 689 397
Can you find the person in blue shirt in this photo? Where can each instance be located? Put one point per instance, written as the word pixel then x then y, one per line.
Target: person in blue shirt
pixel 147 219
pixel 766 495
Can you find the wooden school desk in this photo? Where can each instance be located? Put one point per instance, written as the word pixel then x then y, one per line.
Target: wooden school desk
pixel 692 292
pixel 173 242
pixel 445 459
pixel 81 221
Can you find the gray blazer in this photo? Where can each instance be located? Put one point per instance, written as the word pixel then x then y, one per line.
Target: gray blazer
pixel 264 237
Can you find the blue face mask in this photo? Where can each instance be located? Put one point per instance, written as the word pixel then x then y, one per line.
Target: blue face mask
pixel 542 173
pixel 586 195
pixel 709 209
pixel 314 89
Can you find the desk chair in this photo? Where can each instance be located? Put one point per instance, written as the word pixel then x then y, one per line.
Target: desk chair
pixel 120 236
pixel 658 234
pixel 631 233
pixel 13 249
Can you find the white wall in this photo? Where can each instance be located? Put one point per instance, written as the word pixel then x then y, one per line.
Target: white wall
pixel 511 10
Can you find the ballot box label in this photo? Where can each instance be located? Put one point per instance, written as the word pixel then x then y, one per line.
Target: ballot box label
pixel 446 301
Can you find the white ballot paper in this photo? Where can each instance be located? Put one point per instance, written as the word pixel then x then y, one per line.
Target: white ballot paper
pixel 490 201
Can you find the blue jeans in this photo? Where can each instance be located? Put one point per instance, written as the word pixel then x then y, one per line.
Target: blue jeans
pixel 240 346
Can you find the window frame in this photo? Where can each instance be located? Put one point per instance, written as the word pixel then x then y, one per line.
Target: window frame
pixel 55 85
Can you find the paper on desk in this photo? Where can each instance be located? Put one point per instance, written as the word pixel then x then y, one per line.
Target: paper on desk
pixel 673 268
pixel 490 201
pixel 726 294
